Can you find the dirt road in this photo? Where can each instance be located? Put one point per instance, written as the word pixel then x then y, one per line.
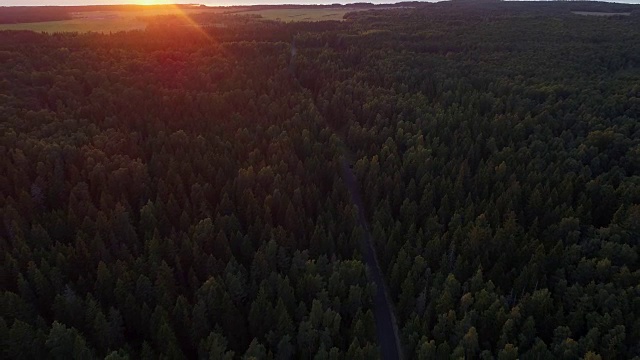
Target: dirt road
pixel 386 327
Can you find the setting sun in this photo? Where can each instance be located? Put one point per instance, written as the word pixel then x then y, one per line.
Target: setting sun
pixel 156 2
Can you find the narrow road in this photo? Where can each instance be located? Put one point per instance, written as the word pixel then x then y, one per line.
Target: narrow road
pixel 386 326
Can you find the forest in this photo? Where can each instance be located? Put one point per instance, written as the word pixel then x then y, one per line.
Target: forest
pixel 180 192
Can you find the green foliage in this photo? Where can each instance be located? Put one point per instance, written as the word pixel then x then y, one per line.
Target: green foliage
pixel 177 192
pixel 152 212
pixel 496 186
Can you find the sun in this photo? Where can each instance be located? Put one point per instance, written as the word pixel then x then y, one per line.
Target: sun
pixel 153 2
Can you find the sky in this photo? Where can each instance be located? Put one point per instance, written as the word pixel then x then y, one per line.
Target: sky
pixel 206 2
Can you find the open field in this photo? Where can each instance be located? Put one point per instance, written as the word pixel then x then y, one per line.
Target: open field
pixel 105 21
pixel 80 25
pixel 118 20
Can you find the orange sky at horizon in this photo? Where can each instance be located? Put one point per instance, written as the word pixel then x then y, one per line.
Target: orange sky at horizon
pixel 93 2
pixel 209 2
pixel 162 2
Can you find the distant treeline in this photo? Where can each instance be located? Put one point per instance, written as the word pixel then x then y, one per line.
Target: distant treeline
pixel 31 14
pixel 234 9
pixel 493 8
pixel 87 8
pixel 27 14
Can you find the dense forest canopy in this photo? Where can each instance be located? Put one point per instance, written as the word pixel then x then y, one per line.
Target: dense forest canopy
pixel 179 192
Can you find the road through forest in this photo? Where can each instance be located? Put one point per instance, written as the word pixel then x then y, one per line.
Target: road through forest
pixel 386 326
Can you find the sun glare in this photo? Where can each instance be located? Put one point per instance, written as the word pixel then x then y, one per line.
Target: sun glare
pixel 153 2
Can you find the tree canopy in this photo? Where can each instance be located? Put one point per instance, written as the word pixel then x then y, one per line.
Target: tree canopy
pixel 177 192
